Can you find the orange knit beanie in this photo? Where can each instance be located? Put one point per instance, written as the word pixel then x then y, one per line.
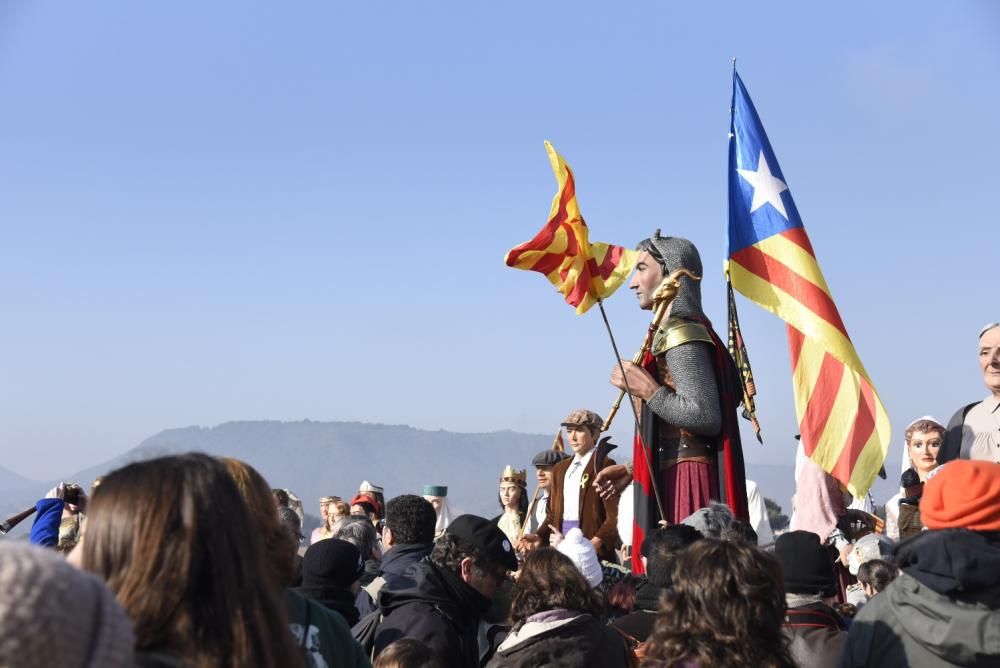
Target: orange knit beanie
pixel 963 494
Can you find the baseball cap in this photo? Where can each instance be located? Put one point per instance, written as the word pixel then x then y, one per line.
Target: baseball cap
pixel 486 536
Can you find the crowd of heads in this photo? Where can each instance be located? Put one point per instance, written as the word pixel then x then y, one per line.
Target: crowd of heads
pixel 182 556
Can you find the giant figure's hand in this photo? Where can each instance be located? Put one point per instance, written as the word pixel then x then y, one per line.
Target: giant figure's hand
pixel 640 382
pixel 612 480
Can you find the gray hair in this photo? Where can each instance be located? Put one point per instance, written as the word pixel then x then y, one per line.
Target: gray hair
pixel 712 520
pixel 290 522
pixel 988 328
pixel 359 531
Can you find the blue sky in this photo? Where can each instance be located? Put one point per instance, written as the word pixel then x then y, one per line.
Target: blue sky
pixel 229 210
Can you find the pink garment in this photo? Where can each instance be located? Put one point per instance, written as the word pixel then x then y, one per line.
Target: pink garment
pixel 687 487
pixel 819 503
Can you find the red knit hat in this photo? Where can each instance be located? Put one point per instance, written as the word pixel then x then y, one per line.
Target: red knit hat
pixel 964 494
pixel 369 499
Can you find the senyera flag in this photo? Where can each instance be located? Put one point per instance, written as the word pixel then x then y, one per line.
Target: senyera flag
pixel 582 271
pixel 844 426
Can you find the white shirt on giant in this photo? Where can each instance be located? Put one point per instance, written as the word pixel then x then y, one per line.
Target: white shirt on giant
pixel 571 486
pixel 981 431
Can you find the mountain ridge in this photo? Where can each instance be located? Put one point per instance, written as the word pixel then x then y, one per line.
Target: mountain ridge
pixel 334 457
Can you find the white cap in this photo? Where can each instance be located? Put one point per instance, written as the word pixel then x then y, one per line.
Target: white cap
pixel 368 487
pixel 582 553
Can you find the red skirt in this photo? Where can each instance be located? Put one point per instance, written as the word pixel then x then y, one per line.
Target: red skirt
pixel 687 487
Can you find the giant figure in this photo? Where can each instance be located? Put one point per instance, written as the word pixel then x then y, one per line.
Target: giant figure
pixel 687 387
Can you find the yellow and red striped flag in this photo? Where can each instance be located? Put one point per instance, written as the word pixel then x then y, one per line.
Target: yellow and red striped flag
pixel 844 426
pixel 582 272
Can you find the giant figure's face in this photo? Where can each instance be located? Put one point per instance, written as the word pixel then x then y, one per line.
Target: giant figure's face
pixel 647 277
pixel 510 495
pixel 434 501
pixel 989 359
pixel 580 438
pixel 923 450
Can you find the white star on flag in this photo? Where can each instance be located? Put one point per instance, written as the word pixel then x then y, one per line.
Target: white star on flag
pixel 766 188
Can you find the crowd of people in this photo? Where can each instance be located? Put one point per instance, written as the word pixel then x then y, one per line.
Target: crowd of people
pixel 192 560
pixel 189 561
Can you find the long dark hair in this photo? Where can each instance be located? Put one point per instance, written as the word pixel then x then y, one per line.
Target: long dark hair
pixel 726 609
pixel 549 580
pixel 174 541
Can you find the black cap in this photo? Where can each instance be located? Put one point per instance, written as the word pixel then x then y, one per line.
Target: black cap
pixel 807 565
pixel 548 457
pixel 332 563
pixel 485 535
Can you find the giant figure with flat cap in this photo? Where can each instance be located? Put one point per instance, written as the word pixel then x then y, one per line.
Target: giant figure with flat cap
pixel 573 500
pixel 687 387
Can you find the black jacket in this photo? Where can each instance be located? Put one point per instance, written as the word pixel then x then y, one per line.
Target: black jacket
pixel 816 635
pixel 439 609
pixel 396 562
pixel 581 642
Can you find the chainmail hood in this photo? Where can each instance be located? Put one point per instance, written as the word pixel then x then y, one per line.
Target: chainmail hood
pixel 673 253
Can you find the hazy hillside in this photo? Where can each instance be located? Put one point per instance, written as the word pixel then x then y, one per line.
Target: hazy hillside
pixel 318 458
pixel 10 481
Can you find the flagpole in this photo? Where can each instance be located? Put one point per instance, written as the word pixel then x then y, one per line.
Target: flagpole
pixel 635 412
pixel 530 513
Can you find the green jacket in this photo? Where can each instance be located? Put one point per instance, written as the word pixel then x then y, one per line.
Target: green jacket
pixel 909 624
pixel 323 634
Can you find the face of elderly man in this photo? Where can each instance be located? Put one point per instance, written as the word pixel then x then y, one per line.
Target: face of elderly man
pixel 989 359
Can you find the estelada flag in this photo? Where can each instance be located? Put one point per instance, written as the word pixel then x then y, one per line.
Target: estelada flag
pixel 582 272
pixel 844 426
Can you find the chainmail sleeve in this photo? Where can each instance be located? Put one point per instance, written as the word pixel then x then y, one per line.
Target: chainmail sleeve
pixel 695 404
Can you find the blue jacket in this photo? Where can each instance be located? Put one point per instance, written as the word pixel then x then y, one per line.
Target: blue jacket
pixel 45 530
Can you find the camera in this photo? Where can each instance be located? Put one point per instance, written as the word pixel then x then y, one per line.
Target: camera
pixel 72 494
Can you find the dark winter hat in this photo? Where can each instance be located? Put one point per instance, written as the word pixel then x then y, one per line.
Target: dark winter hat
pixel 806 564
pixel 332 563
pixel 548 457
pixel 486 536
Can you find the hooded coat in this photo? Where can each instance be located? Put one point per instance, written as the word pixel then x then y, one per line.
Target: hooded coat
pixel 569 640
pixel 439 609
pixel 944 609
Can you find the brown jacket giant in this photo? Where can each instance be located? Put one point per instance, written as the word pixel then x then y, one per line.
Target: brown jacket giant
pixel 597 517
